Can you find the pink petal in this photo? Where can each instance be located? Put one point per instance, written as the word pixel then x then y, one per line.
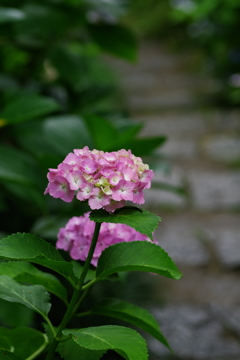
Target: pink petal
pixel 89 166
pixel 76 180
pixel 59 188
pixel 114 205
pixel 98 199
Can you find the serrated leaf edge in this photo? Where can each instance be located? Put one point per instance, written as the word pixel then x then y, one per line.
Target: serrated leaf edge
pixel 109 326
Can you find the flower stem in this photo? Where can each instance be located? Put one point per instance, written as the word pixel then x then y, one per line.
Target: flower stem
pixel 39 350
pixel 70 311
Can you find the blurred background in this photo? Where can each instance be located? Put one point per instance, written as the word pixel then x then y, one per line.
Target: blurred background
pixel 159 77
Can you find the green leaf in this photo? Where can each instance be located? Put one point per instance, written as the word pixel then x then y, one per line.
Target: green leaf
pixel 18 167
pixel 5 343
pixel 115 39
pixel 13 315
pixel 66 133
pixel 27 273
pixel 34 297
pixel 6 355
pixel 102 131
pixel 145 146
pixel 27 107
pixel 48 227
pixel 69 65
pixel 139 219
pixel 126 138
pixel 10 15
pixel 24 341
pixel 70 350
pixel 124 340
pixel 131 313
pixel 42 24
pixel 35 250
pixel 20 174
pixel 136 256
pixel 49 136
pixel 78 268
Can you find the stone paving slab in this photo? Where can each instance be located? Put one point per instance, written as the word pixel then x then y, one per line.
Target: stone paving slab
pixel 180 147
pixel 222 147
pixel 155 197
pixel 166 99
pixel 223 232
pixel 215 190
pixel 201 231
pixel 194 333
pixel 172 123
pixel 200 286
pixel 188 236
pixel 168 200
pixel 178 235
pixel 140 82
pixel 152 57
pixel 225 120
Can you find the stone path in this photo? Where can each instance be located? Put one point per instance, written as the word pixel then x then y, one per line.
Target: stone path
pixel 200 314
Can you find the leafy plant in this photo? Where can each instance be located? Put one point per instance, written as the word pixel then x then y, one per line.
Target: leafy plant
pixel 57 95
pixel 54 82
pixel 91 342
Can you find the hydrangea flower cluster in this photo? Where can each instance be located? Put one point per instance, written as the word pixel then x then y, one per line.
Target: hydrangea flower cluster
pixel 104 179
pixel 76 237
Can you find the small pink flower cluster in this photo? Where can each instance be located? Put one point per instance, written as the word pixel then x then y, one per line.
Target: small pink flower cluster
pixel 77 235
pixel 105 179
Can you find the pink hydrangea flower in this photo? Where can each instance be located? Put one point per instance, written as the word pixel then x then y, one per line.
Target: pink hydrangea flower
pixel 105 180
pixel 77 235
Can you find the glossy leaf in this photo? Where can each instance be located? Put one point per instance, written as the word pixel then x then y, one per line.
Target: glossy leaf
pixel 145 146
pixel 24 341
pixel 69 65
pixel 70 350
pixel 49 136
pixel 4 354
pixel 27 273
pixel 35 250
pixel 10 15
pixel 5 343
pixel 139 219
pixel 34 297
pixel 136 256
pixel 27 107
pixel 48 227
pixel 13 314
pixel 115 39
pixel 78 268
pixel 124 340
pixel 103 132
pixel 131 313
pixel 18 167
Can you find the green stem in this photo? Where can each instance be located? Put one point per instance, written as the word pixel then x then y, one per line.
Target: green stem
pixel 75 297
pixel 39 350
pixel 50 325
pixel 80 301
pixel 84 314
pixel 93 281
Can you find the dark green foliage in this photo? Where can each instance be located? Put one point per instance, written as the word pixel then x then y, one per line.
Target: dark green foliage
pixel 56 95
pixel 136 256
pixel 139 219
pixel 133 314
pixel 23 340
pixel 127 342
